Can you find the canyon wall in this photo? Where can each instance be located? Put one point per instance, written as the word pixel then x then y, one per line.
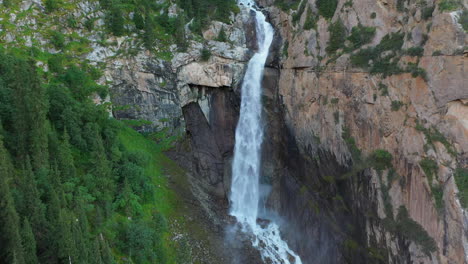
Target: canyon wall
pixel 325 119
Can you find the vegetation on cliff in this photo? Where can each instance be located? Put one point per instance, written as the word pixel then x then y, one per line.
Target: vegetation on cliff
pixel 77 186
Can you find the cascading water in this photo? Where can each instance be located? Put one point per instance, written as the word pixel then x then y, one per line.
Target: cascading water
pixel 245 193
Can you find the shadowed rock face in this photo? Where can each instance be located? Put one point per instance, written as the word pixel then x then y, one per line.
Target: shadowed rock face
pixel 212 141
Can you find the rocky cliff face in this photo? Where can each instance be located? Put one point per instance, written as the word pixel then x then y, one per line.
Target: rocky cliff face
pixel 327 120
pixel 332 109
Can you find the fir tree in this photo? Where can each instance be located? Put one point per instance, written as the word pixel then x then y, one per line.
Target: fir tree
pixel 29 202
pixel 138 20
pixel 29 243
pixel 116 21
pixel 10 240
pixel 95 257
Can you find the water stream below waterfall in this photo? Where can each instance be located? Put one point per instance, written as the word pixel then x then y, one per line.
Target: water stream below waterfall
pixel 245 188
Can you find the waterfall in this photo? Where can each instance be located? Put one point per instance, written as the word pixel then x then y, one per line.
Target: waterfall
pixel 245 193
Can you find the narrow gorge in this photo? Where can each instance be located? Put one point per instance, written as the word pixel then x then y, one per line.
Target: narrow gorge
pixel 269 131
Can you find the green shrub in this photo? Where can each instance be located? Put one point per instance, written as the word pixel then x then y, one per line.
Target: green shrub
pixel 396 105
pixel 71 22
pixel 361 35
pixel 461 179
pixel 310 21
pixel 351 143
pixel 334 100
pixel 392 41
pixel 381 159
pixel 115 21
pixel 89 24
pixel 401 5
pixel 415 51
pixel 383 89
pixel 222 35
pixel 55 64
pixel 384 65
pixel 52 5
pixel 325 100
pixel 437 53
pixel 327 8
pixel 427 11
pixel 57 39
pixel 336 117
pixel 138 20
pixel 337 36
pixel 449 5
pixel 287 5
pixel 362 57
pixel 373 15
pixel 463 19
pixel 205 54
pixel 416 71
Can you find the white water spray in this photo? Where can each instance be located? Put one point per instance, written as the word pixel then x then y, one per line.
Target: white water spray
pixel 245 193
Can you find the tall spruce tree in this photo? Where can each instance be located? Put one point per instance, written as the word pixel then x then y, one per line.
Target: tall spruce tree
pixel 29 243
pixel 10 240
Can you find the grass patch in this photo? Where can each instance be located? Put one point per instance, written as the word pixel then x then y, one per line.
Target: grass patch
pixel 449 5
pixel 463 19
pixel 461 178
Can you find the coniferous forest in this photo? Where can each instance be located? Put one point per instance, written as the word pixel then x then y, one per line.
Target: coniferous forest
pixel 71 178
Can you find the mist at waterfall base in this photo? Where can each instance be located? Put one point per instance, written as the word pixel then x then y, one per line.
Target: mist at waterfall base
pixel 245 188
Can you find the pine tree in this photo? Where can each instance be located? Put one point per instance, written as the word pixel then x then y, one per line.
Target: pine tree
pixel 29 243
pixel 66 244
pixel 95 257
pixel 29 202
pixel 81 243
pixel 30 123
pixel 106 253
pixel 53 216
pixel 10 240
pixel 149 37
pixel 138 19
pixel 222 35
pixel 116 21
pixel 180 36
pixel 65 159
